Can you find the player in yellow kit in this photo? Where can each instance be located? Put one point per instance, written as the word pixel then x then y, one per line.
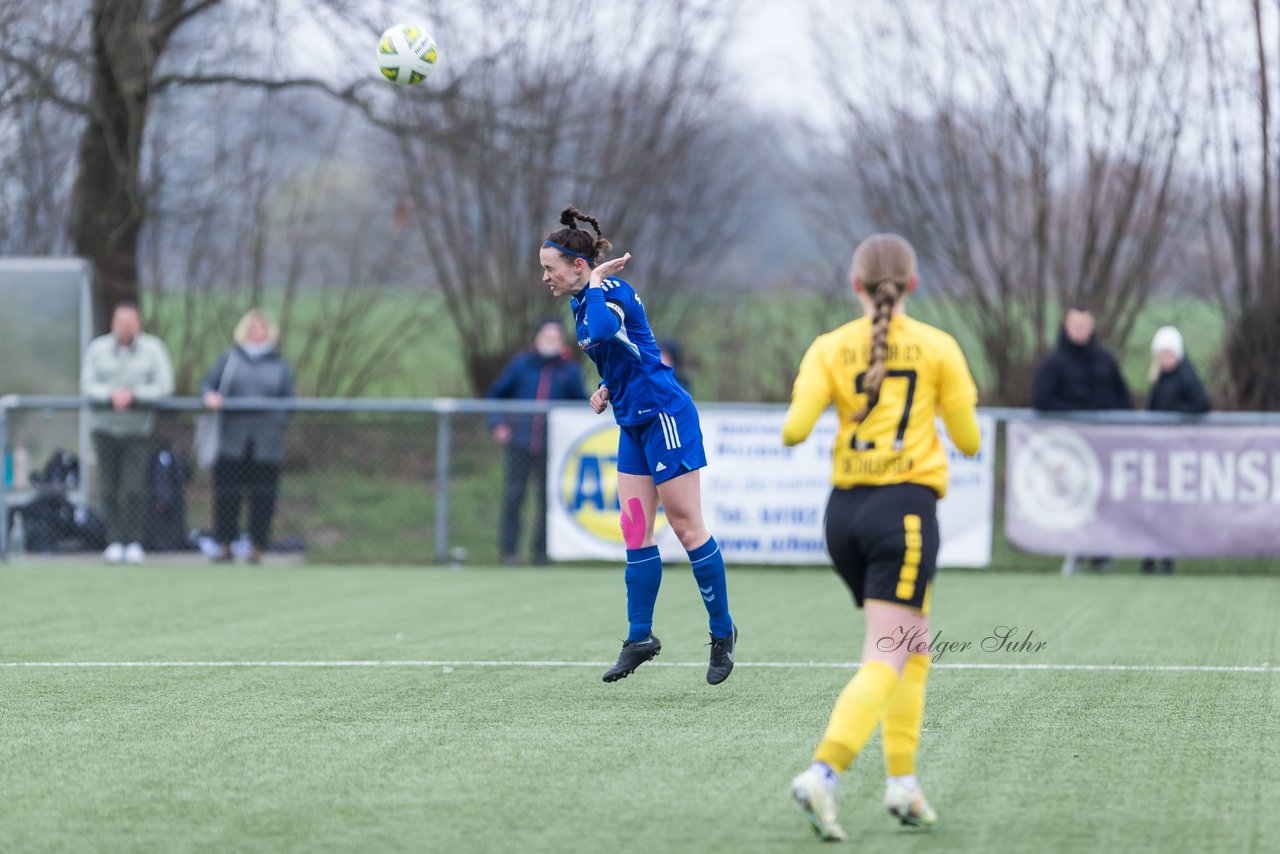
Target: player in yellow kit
pixel 888 377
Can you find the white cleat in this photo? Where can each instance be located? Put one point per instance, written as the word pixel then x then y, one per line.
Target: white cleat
pixel 818 800
pixel 134 554
pixel 908 805
pixel 114 553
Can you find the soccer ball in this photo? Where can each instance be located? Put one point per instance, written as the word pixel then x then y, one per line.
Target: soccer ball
pixel 406 53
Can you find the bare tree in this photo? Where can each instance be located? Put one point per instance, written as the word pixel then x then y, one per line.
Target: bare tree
pixel 37 140
pixel 36 153
pixel 111 73
pixel 1030 153
pixel 634 135
pixel 1242 224
pixel 266 201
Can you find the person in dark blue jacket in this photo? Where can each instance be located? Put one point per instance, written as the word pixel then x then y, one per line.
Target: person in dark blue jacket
pixel 673 357
pixel 543 372
pixel 660 449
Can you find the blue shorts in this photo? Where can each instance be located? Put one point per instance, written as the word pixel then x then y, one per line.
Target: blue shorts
pixel 667 446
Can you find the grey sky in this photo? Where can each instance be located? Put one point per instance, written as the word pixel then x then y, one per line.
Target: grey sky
pixel 773 53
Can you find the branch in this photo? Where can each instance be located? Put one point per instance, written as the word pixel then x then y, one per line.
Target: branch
pixel 42 84
pixel 350 94
pixel 166 81
pixel 173 16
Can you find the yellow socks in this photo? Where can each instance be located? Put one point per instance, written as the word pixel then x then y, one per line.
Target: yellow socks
pixel 876 694
pixel 902 718
pixel 856 713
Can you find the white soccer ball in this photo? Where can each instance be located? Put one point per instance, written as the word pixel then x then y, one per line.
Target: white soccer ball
pixel 406 54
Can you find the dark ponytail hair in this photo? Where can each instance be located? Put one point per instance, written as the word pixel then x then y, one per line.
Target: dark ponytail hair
pixel 577 241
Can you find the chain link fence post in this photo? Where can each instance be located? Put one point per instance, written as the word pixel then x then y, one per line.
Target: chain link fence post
pixel 4 481
pixel 443 443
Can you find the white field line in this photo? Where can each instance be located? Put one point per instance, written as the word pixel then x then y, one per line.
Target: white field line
pixel 794 665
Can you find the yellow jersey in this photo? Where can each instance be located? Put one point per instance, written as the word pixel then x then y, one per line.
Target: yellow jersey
pixel 898 441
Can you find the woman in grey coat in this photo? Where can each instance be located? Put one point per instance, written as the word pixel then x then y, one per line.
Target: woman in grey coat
pixel 250 443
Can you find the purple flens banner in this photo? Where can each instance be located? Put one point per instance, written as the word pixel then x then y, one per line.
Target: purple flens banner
pixel 1143 490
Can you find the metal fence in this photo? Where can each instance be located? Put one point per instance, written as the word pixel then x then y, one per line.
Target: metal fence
pixel 363 481
pixel 395 481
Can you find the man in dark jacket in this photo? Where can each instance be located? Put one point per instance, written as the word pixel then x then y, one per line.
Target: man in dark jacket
pixel 1079 374
pixel 544 372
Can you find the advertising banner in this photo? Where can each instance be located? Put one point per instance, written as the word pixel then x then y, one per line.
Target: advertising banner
pixel 1143 490
pixel 763 502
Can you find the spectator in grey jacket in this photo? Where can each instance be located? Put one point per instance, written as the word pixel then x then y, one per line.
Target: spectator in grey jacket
pixel 122 372
pixel 250 443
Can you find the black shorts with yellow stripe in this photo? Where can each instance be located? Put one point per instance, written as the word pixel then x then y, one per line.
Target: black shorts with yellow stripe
pixel 884 542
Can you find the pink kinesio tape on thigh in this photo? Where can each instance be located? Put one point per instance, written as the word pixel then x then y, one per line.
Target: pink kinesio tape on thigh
pixel 633 526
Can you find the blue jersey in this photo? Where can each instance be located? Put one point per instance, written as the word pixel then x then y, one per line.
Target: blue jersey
pixel 612 328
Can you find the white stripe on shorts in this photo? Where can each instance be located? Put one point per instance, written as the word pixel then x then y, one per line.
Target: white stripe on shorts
pixel 666 430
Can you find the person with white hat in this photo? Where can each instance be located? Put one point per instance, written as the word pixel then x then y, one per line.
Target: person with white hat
pixel 1175 387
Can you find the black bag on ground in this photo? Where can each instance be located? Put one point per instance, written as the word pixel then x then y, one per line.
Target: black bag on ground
pixel 61 472
pixel 91 531
pixel 166 524
pixel 49 520
pixel 53 524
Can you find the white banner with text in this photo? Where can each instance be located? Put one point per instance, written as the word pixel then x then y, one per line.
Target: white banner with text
pixel 763 502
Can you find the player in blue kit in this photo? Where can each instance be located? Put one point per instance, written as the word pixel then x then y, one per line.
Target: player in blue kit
pixel 659 446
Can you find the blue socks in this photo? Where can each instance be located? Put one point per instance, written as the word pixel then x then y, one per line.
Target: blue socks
pixel 644 574
pixel 708 571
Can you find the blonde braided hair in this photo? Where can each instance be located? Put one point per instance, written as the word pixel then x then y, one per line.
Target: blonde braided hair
pixel 885 264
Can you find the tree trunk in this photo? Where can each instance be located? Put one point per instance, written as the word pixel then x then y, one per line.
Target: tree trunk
pixel 1253 352
pixel 107 210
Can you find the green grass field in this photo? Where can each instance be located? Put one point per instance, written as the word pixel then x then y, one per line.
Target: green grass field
pixel 435 754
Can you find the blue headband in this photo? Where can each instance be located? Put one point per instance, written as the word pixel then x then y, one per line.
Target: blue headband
pixel 568 251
